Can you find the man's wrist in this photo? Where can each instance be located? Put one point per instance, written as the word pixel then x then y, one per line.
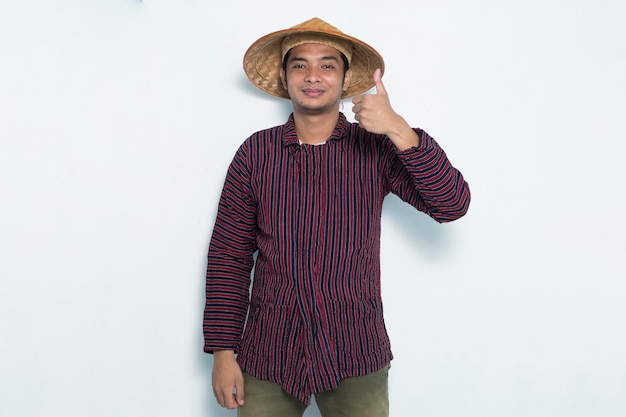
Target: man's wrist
pixel 223 354
pixel 404 137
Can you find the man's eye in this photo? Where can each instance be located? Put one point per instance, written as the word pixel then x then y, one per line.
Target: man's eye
pixel 328 66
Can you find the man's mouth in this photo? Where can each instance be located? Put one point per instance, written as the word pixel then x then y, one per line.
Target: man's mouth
pixel 313 92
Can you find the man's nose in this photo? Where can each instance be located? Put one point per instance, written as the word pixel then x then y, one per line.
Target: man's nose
pixel 312 75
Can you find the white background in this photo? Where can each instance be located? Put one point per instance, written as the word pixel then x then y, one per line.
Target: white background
pixel 118 119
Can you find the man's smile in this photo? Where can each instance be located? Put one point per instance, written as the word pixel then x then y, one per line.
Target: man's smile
pixel 313 92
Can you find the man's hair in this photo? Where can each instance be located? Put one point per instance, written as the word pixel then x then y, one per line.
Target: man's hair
pixel 346 64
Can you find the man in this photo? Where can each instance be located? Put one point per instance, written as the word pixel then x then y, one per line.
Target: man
pixel 308 197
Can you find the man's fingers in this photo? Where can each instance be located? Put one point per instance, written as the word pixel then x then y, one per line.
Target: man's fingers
pixel 227 380
pixel 228 398
pixel 221 399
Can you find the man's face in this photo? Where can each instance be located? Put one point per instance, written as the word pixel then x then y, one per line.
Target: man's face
pixel 315 78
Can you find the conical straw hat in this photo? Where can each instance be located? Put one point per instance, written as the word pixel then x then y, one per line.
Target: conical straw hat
pixel 263 59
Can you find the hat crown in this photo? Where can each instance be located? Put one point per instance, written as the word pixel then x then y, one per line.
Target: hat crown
pixel 316 24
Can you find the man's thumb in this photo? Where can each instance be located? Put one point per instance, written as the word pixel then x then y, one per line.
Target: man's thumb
pixel 239 394
pixel 378 81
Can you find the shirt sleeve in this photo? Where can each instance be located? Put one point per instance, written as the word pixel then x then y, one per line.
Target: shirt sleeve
pixel 424 177
pixel 230 259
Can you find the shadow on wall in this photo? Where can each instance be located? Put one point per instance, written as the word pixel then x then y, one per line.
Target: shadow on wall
pixel 248 88
pixel 420 230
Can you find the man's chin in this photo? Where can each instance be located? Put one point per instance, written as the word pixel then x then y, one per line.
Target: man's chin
pixel 315 108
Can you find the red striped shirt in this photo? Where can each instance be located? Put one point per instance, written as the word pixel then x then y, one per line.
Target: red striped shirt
pixel 314 315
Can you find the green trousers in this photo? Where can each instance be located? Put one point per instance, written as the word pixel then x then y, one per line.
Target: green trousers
pixel 361 396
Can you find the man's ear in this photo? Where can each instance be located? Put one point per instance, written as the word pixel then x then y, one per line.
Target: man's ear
pixel 283 78
pixel 346 79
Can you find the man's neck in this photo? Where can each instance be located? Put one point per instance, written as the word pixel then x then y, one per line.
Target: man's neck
pixel 314 129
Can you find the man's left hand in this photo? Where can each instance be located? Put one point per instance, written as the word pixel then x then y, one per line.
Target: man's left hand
pixel 374 114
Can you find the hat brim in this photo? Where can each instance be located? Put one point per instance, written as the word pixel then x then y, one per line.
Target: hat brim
pixel 263 60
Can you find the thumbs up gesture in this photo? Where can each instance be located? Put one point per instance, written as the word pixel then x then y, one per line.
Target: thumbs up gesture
pixel 374 114
pixel 373 111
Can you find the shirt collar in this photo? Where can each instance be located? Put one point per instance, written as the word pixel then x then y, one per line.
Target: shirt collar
pixel 290 137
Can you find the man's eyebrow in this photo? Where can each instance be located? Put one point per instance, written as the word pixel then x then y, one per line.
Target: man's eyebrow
pixel 323 58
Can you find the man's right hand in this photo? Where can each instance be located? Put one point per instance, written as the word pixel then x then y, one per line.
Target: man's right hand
pixel 227 379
